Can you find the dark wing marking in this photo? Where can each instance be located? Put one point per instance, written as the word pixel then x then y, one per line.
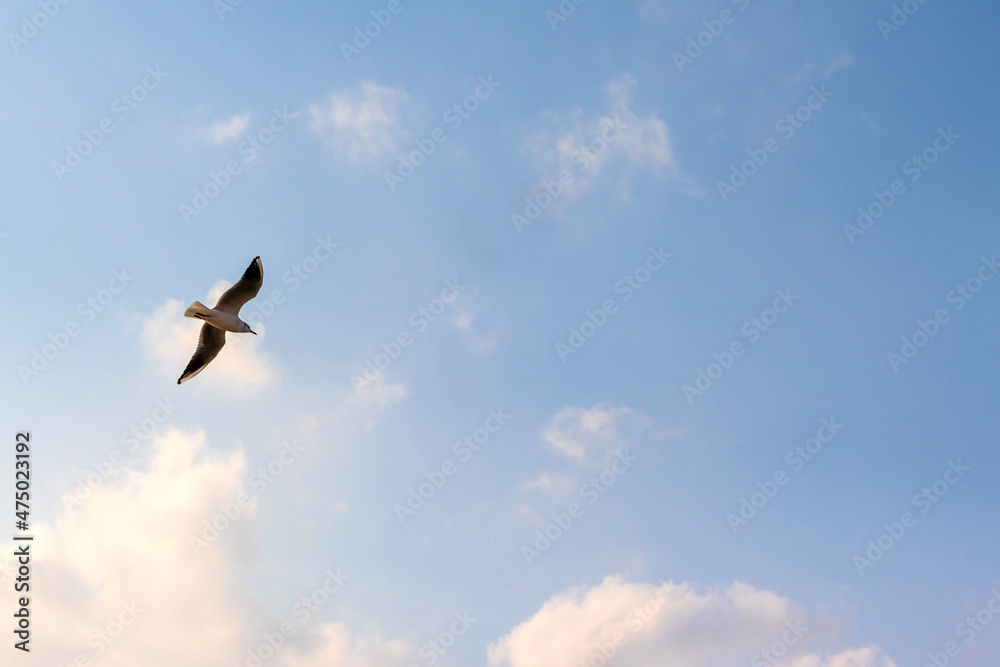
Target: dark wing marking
pixel 210 342
pixel 244 290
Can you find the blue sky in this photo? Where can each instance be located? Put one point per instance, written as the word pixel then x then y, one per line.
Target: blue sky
pixel 289 142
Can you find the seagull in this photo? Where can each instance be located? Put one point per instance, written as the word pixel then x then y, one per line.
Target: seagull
pixel 224 317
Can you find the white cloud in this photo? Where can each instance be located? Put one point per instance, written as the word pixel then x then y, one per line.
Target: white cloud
pixel 586 148
pixel 804 73
pixel 365 125
pixel 467 321
pixel 671 624
pixel 592 436
pixel 339 649
pixel 128 543
pixel 842 60
pixel 370 397
pixel 228 130
pixel 861 657
pixel 241 368
pixel 551 484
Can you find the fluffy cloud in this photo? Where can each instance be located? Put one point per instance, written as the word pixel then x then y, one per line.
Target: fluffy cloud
pixel 585 148
pixel 241 368
pixel 670 624
pixel 592 436
pixel 228 130
pixel 365 125
pixel 119 583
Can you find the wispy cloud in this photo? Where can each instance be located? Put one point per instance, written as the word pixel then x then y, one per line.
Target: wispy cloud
pixel 361 124
pixel 586 148
pixel 591 436
pixel 838 61
pixel 552 484
pixel 842 60
pixel 468 321
pixel 362 406
pixel 228 130
pixel 588 439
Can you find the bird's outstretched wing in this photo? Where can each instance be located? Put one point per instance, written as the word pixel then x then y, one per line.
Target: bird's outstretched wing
pixel 244 290
pixel 210 342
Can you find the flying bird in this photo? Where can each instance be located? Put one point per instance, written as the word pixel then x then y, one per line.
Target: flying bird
pixel 224 317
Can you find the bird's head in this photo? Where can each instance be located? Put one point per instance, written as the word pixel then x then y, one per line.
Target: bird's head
pixel 247 329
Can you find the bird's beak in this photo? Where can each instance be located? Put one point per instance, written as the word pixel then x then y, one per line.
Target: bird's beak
pixel 253 332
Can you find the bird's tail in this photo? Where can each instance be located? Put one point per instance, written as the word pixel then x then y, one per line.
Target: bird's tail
pixel 197 310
